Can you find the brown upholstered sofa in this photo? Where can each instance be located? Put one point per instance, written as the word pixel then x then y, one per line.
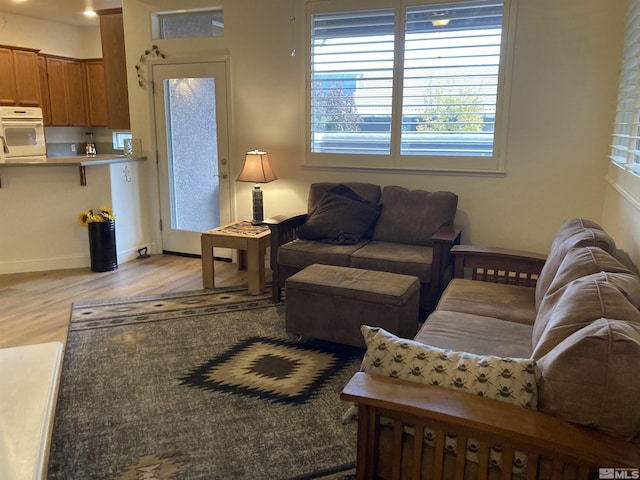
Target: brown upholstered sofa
pixel 360 225
pixel 569 328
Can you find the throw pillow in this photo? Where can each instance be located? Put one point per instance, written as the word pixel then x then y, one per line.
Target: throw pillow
pixel 510 380
pixel 341 217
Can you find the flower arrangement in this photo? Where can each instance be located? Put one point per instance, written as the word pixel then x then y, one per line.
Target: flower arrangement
pixel 105 214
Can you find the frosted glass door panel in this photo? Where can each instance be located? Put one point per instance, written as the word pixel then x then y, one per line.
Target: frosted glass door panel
pixel 193 153
pixel 192 140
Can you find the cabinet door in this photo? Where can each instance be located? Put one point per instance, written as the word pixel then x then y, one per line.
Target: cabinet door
pixel 96 94
pixel 44 89
pixel 27 78
pixel 74 76
pixel 57 91
pixel 115 67
pixel 7 78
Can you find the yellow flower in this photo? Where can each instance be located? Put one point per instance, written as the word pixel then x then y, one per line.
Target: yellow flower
pixel 105 214
pixel 83 218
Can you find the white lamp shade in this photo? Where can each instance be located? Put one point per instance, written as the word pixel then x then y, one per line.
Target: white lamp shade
pixel 257 168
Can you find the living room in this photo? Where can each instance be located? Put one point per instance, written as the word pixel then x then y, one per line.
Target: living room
pixel 563 83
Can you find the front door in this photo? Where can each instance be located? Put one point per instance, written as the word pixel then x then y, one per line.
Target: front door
pixel 191 122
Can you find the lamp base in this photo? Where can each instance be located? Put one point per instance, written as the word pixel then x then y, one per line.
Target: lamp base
pixel 258 217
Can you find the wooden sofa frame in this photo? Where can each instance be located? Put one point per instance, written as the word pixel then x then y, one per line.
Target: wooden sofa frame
pixel 284 229
pixel 555 448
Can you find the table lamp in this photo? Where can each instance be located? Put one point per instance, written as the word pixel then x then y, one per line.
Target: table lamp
pixel 257 170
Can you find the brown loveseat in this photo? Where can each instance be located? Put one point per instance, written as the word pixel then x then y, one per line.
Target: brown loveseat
pixel 360 225
pixel 569 327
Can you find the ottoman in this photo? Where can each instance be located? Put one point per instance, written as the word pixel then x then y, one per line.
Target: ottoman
pixel 329 302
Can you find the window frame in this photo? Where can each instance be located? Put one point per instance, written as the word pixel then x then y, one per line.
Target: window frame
pixel 494 164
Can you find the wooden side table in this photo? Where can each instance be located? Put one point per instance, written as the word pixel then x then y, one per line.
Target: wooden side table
pixel 251 241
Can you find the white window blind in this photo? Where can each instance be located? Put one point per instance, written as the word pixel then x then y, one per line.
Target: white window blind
pixel 352 56
pixel 625 148
pixel 451 72
pixel 412 85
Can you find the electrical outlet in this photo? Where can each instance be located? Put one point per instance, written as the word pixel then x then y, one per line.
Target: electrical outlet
pixel 73 148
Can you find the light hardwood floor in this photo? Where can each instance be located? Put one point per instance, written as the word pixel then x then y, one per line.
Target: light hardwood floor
pixel 35 307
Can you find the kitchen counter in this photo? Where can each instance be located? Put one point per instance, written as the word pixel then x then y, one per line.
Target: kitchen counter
pixel 81 161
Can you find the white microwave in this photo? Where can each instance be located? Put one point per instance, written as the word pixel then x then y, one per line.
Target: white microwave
pixel 22 134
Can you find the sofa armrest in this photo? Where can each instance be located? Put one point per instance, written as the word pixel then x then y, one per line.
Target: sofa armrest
pixel 442 263
pixel 538 435
pixel 284 229
pixel 498 265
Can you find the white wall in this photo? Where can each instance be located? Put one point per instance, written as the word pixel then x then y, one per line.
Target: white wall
pixel 50 37
pixel 562 106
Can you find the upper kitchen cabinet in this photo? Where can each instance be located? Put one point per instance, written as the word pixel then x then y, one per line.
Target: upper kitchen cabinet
pixel 66 82
pixel 96 94
pixel 19 81
pixel 115 68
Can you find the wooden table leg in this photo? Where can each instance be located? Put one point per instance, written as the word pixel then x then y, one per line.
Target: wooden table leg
pixel 208 279
pixel 255 267
pixel 242 259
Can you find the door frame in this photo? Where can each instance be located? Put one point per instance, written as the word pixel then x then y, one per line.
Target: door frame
pixel 219 57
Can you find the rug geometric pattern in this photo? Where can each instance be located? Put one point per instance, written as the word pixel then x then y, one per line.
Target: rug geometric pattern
pixel 270 369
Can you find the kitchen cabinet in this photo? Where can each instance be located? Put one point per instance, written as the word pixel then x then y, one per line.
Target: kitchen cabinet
pixel 66 86
pixel 19 79
pixel 25 64
pixel 96 94
pixel 115 67
pixel 44 89
pixel 59 109
pixel 76 92
pixel 7 80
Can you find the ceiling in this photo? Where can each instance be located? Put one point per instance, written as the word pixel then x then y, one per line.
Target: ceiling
pixel 63 11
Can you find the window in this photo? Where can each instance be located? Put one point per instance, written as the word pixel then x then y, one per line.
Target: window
pixel 188 24
pixel 119 138
pixel 417 87
pixel 625 148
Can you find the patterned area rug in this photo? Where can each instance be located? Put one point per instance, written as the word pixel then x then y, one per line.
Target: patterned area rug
pixel 200 385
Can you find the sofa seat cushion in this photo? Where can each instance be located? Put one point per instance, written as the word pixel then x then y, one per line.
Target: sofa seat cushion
pixel 302 253
pixel 505 302
pixel 413 216
pixel 574 233
pixel 580 303
pixel 466 332
pixel 591 378
pixel 392 257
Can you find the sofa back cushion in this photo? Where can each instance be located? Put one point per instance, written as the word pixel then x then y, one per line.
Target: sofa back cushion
pixel 581 302
pixel 367 191
pixel 574 233
pixel 580 263
pixel 591 378
pixel 413 216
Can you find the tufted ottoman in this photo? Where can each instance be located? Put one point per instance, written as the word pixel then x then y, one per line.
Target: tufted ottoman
pixel 330 303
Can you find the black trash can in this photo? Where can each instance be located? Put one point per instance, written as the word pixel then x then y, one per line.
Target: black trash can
pixel 102 246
